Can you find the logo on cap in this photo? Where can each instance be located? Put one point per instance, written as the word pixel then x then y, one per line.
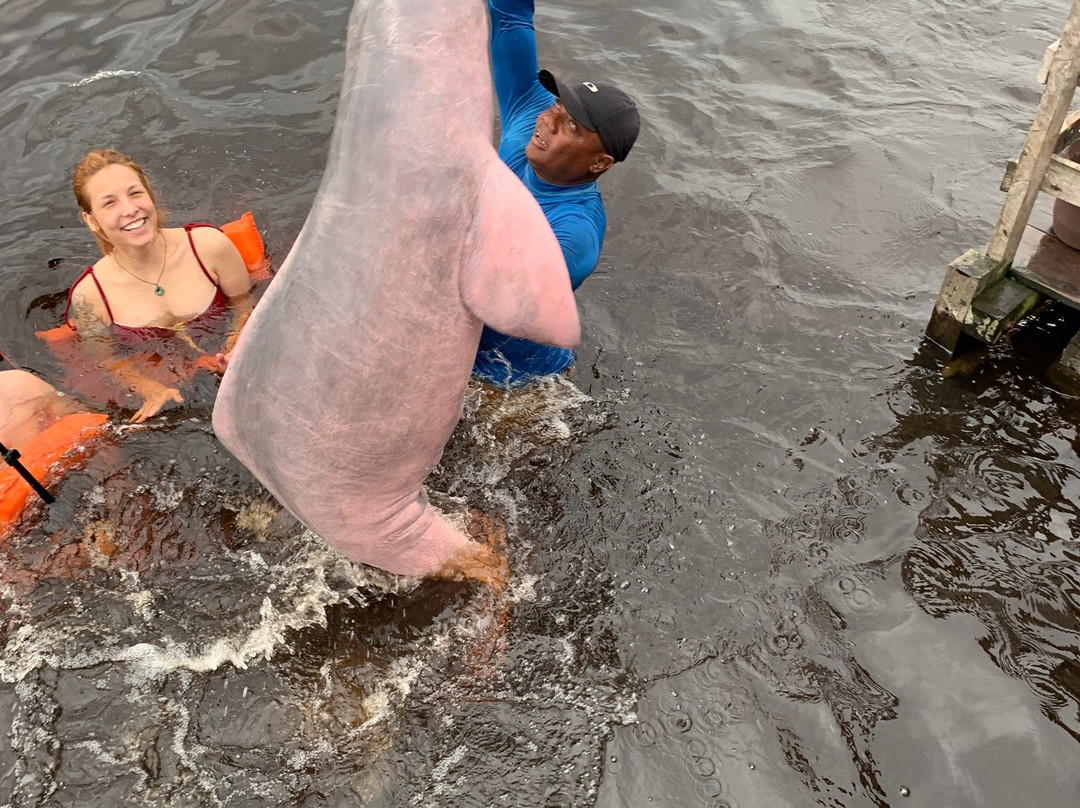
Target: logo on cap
pixel 592 87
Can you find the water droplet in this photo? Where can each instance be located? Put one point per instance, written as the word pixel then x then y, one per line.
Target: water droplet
pixel 905 791
pixel 752 767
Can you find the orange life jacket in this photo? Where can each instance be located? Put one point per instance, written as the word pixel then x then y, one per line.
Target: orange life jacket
pixel 47 456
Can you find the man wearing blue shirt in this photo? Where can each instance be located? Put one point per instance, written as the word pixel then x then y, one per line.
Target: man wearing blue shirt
pixel 558 139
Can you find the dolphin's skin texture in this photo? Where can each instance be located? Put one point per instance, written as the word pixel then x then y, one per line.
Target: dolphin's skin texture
pixel 350 374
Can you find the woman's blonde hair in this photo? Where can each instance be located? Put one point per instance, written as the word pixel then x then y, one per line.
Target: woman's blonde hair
pixel 90 165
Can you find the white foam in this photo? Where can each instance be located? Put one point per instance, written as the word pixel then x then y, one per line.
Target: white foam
pixel 302 588
pixel 259 643
pixel 167 496
pixel 105 74
pixel 442 768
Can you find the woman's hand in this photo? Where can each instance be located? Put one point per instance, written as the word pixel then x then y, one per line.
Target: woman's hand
pixel 215 363
pixel 221 361
pixel 153 400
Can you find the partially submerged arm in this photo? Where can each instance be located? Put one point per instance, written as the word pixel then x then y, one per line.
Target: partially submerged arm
pixel 97 341
pixel 225 263
pixel 240 307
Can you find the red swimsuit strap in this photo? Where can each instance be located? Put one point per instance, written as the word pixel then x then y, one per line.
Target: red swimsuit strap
pixel 67 307
pixel 90 271
pixel 187 229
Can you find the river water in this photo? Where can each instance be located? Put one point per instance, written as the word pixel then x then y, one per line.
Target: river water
pixel 764 554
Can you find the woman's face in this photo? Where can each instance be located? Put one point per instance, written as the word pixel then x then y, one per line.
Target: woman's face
pixel 121 207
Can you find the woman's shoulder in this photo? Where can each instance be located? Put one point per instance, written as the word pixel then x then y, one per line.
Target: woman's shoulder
pixel 219 256
pixel 86 300
pixel 204 236
pixel 86 282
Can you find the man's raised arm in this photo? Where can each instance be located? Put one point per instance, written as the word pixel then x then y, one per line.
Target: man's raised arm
pixel 514 61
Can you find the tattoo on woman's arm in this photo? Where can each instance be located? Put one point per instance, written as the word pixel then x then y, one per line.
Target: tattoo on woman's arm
pixel 88 323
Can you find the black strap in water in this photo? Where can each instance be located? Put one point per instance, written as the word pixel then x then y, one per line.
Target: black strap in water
pixel 11 457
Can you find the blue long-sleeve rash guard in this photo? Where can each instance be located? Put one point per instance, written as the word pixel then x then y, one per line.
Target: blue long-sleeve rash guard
pixel 575 213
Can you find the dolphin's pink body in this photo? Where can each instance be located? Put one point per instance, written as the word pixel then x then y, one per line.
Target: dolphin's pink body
pixel 350 375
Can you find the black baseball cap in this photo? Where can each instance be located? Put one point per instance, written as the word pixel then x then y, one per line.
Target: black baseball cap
pixel 600 108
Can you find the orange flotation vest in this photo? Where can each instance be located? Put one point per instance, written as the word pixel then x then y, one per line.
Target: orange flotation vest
pixel 47 456
pixel 245 237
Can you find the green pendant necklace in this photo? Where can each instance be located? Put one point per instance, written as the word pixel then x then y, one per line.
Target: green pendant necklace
pixel 159 290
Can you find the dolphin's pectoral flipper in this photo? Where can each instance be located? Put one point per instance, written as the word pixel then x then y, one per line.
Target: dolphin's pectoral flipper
pixel 517 281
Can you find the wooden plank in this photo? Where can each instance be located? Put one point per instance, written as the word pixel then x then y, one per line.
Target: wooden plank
pixel 1047 60
pixel 999 308
pixel 1006 301
pixel 965 279
pixel 1028 244
pixel 988 328
pixel 1042 217
pixel 1070 131
pixel 1061 180
pixel 1054 270
pixel 1049 119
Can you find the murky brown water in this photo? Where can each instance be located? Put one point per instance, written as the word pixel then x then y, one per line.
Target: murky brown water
pixel 763 553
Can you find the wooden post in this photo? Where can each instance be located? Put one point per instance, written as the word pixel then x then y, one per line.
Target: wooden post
pixel 976 271
pixel 965 279
pixel 1061 82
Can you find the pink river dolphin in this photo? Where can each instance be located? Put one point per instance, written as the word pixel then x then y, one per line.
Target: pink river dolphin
pixel 350 375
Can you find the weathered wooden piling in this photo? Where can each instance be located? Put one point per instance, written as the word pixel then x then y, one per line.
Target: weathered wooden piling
pixel 986 291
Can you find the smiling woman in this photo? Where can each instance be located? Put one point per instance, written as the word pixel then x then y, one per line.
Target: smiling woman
pixel 156 290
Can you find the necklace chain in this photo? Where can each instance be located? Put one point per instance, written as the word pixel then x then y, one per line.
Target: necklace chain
pixel 159 290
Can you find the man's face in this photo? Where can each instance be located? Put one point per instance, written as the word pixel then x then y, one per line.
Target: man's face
pixel 562 151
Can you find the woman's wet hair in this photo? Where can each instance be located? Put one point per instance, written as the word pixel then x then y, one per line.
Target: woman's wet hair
pixel 90 165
